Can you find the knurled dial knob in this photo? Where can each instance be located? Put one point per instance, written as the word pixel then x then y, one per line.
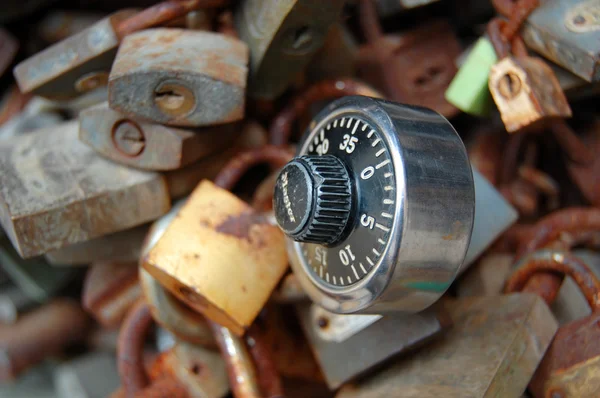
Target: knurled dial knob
pixel 313 199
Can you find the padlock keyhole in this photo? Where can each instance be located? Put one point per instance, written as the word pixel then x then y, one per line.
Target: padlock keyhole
pixel 509 85
pixel 303 38
pixel 174 99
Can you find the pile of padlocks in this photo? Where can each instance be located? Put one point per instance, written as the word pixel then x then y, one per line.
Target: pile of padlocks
pixel 302 198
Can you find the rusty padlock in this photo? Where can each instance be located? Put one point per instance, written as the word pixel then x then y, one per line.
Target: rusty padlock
pixel 166 310
pixel 148 146
pixel 524 88
pixel 39 334
pixel 180 77
pixel 110 290
pixel 56 191
pixel 570 366
pixel 229 287
pixel 415 67
pixel 59 25
pixel 487 277
pixel 349 346
pixel 123 246
pixel 282 37
pixel 492 351
pixel 567 33
pixel 81 62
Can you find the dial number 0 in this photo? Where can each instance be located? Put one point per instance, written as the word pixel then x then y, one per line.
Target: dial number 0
pixel 349 143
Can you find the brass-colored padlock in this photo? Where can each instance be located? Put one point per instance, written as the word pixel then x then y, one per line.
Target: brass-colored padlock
pixel 145 145
pixel 492 351
pixel 282 35
pixel 526 92
pixel 219 257
pixel 180 77
pixel 56 191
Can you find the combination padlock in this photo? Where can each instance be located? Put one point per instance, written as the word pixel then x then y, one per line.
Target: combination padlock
pixel 378 207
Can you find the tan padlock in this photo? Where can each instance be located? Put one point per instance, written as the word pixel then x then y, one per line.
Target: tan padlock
pixel 220 257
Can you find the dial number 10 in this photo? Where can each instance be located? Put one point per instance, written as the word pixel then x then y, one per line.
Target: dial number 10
pixel 346 255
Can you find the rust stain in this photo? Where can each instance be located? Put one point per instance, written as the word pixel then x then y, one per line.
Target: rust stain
pixel 240 225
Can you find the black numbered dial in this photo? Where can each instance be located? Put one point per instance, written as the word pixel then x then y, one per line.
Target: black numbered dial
pixel 353 142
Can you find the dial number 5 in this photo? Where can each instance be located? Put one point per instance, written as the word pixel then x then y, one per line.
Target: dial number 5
pixel 349 143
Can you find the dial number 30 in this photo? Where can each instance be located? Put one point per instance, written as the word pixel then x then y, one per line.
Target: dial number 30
pixel 349 143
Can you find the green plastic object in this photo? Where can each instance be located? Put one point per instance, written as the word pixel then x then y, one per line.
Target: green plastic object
pixel 469 90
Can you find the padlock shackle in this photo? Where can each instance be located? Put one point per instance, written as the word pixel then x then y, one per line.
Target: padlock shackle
pixel 233 171
pixel 503 45
pixel 517 12
pixel 161 13
pixel 280 130
pixel 562 262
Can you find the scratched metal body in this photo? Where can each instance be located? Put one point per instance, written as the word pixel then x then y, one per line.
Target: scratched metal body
pixel 162 147
pixel 492 351
pixel 567 32
pixel 180 77
pixel 282 35
pixel 53 73
pixel 344 356
pixel 123 246
pixel 56 191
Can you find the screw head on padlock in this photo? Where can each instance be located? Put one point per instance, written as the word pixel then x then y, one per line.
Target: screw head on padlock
pixel 378 206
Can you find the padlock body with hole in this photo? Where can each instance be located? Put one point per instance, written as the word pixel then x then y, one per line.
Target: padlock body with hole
pixel 492 350
pixel 219 257
pixel 282 35
pixel 469 90
pixel 526 92
pixel 180 77
pixel 56 191
pixel 75 65
pixel 148 146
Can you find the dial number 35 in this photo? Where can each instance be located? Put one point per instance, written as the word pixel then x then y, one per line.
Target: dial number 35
pixel 349 143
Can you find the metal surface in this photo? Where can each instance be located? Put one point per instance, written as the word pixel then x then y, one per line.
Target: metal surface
pixel 53 72
pixel 492 351
pixel 109 291
pixel 348 346
pixel 201 372
pixel 242 375
pixel 35 277
pixel 570 367
pixel 526 93
pixel 414 68
pixel 56 191
pixel 180 77
pixel 404 279
pixel 282 37
pixel 43 332
pixel 8 48
pixel 123 246
pixel 567 32
pixel 388 8
pixel 59 25
pixel 89 376
pixel 227 286
pixel 149 146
